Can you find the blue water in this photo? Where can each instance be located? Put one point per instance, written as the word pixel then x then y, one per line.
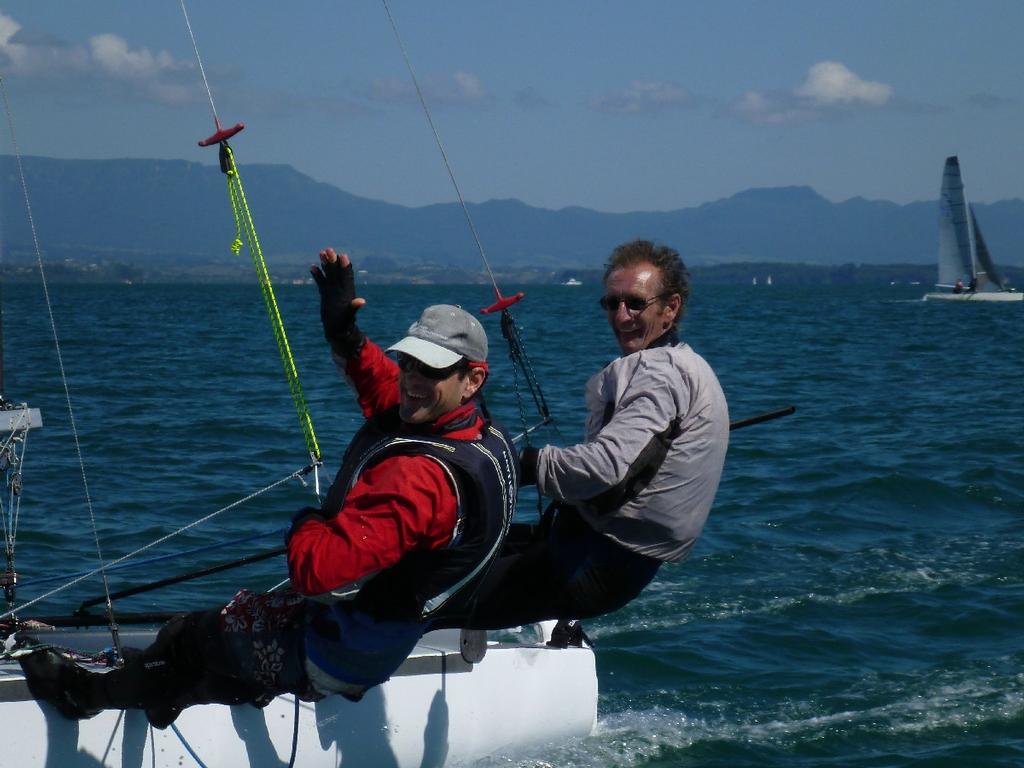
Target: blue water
pixel 857 598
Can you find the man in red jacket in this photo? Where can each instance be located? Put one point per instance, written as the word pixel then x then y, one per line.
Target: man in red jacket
pixel 414 517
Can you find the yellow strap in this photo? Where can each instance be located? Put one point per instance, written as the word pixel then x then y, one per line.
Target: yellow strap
pixel 244 225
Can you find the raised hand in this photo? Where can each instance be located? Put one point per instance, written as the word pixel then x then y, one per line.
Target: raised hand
pixel 335 278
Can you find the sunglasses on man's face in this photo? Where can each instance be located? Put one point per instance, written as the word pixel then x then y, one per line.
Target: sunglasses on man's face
pixel 633 303
pixel 410 364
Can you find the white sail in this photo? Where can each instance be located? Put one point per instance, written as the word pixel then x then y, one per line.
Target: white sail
pixel 956 261
pixel 988 276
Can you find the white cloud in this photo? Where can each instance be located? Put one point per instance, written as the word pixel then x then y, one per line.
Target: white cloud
pixel 829 89
pixel 8 29
pixel 455 89
pixel 113 56
pixel 643 97
pixel 765 109
pixel 107 59
pixel 467 88
pixel 829 83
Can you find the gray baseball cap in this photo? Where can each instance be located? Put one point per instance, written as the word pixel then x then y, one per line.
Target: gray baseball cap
pixel 443 335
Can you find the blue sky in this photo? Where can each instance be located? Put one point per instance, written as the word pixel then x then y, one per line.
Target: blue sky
pixel 612 106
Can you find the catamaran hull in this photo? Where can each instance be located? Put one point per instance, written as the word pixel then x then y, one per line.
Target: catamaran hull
pixel 437 710
pixel 984 296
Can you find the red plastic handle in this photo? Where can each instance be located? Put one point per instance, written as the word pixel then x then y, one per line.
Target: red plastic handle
pixel 222 134
pixel 503 302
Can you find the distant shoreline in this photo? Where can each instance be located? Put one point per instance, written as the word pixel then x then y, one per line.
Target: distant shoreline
pixel 739 273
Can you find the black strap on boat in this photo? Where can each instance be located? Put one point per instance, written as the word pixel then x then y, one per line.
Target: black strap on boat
pixel 183 577
pixel 641 471
pixel 295 733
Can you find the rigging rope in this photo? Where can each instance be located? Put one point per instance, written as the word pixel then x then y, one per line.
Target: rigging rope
pixel 199 60
pixel 60 365
pixel 517 353
pixel 509 329
pixel 11 462
pixel 187 746
pixel 440 146
pixel 244 226
pixel 192 552
pixel 102 569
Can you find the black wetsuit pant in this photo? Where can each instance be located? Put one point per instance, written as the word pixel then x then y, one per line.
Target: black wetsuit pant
pixel 185 665
pixel 564 570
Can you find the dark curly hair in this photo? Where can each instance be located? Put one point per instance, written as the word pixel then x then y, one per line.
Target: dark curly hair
pixel 674 276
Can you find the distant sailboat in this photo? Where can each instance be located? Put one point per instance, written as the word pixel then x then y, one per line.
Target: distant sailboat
pixel 769 280
pixel 754 282
pixel 966 268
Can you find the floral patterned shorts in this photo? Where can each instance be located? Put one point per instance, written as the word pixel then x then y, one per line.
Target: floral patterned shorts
pixel 264 638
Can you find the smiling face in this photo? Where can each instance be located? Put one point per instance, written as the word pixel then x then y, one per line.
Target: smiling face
pixel 635 330
pixel 424 399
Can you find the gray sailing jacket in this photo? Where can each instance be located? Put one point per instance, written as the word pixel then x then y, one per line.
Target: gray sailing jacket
pixel 630 403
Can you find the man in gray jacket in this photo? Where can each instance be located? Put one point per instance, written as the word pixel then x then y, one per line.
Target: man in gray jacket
pixel 637 491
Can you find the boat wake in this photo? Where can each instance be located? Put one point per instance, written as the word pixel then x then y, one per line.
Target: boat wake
pixel 892 713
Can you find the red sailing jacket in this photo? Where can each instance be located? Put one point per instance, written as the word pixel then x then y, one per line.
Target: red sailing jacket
pixel 403 503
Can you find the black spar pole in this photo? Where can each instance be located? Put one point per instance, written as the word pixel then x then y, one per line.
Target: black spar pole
pixel 769 416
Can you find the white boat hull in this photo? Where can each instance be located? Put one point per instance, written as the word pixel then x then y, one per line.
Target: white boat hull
pixel 437 710
pixel 983 296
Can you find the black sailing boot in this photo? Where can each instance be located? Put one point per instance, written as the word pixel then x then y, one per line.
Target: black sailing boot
pixel 79 693
pixel 150 679
pixel 153 685
pixel 165 678
pixel 569 633
pixel 56 679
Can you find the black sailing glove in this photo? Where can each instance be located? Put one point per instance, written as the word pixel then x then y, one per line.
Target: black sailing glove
pixel 337 286
pixel 528 465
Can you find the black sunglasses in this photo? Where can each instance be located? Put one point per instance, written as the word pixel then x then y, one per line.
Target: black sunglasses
pixel 410 364
pixel 633 303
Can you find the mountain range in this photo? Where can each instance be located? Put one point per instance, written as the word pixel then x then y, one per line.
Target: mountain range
pixel 176 213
